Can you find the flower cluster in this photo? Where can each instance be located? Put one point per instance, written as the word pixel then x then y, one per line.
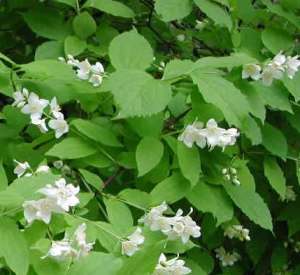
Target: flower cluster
pixel 24 169
pixel 275 69
pixel 85 71
pixel 59 197
pixel 131 245
pixel 171 267
pixel 210 136
pixel 230 174
pixel 226 258
pixel 176 227
pixel 237 231
pixel 71 248
pixel 32 105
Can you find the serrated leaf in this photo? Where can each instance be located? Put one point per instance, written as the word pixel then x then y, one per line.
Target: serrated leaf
pixel 136 197
pixel 214 11
pixel 170 190
pixel 212 199
pixel 223 94
pixel 171 10
pixel 274 141
pixel 148 154
pixel 96 132
pixel 130 50
pixel 275 176
pixel 251 204
pixel 13 246
pixel 293 86
pixel 189 162
pixel 138 94
pixel 72 148
pixel 115 8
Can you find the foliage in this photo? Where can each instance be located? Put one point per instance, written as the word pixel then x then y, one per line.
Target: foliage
pixel 141 103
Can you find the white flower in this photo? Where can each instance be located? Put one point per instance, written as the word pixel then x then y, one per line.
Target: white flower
pixel 96 80
pixel 20 98
pixel 21 168
pixel 237 231
pixel 40 123
pixel 40 210
pixel 43 169
pixel 270 73
pixel 180 37
pixel 226 258
pixel 61 250
pixel 97 68
pixel 192 134
pixel 35 106
pixel 84 69
pixel 72 61
pixel 292 64
pixel 55 108
pixel 279 59
pixel 171 267
pixel 251 71
pixel 213 133
pixel 131 245
pixel 60 125
pixel 63 194
pixel 155 219
pixel 183 227
pixel 83 248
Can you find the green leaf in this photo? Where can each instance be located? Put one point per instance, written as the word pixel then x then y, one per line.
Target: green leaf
pixel 84 25
pixel 209 198
pixel 279 258
pixel 189 162
pixel 13 247
pixel 23 189
pixel 119 215
pixel 72 148
pixel 71 3
pixel 276 96
pixel 277 40
pixel 49 50
pixel 3 178
pixel 277 9
pixel 293 86
pixel 136 197
pixel 251 204
pixel 74 46
pixel 47 22
pixel 112 7
pixel 142 262
pixel 130 50
pixel 274 141
pixel 172 189
pixel 171 10
pixel 95 262
pixel 215 12
pixel 228 99
pixel 138 94
pixel 148 154
pixel 92 179
pixel 96 132
pixel 275 176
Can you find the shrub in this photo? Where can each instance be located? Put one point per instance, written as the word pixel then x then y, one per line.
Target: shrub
pixel 149 137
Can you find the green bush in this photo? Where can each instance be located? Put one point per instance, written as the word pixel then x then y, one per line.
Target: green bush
pixel 149 137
